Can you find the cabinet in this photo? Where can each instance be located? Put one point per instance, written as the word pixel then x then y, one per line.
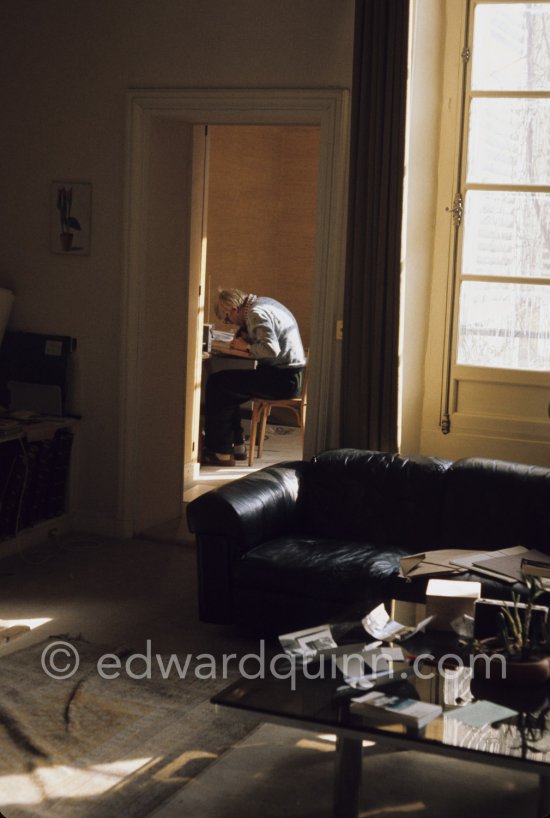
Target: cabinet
pixel 34 475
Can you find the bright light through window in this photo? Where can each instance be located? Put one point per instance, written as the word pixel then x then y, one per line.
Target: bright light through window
pixel 504 261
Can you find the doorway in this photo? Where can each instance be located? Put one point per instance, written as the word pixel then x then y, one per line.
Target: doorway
pixel 259 225
pixel 157 297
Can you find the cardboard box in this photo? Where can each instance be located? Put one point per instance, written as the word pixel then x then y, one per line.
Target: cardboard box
pixel 447 599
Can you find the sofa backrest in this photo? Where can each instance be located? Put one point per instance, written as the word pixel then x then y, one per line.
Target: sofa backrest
pixel 495 504
pixel 372 496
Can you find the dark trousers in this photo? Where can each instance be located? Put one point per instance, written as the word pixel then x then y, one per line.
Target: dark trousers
pixel 228 389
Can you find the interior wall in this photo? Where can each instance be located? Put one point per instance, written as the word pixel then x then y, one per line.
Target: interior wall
pixel 262 214
pixel 423 113
pixel 159 478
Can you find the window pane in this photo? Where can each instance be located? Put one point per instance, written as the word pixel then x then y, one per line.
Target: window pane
pixel 511 47
pixel 506 234
pixel 508 141
pixel 504 325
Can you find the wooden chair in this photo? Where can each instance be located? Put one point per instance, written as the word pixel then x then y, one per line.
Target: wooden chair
pixel 261 408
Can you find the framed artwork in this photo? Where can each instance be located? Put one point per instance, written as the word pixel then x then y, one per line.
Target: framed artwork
pixel 71 212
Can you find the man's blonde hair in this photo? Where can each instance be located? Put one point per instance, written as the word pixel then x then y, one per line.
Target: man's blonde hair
pixel 229 299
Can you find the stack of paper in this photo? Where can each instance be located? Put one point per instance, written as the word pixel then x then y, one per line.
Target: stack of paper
pixel 505 564
pixel 433 562
pixel 309 643
pixel 395 709
pixel 514 566
pixel 378 624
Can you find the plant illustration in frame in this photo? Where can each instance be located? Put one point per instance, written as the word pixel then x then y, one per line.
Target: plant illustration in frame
pixel 71 211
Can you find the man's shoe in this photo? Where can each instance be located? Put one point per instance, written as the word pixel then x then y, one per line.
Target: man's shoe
pixel 212 459
pixel 240 453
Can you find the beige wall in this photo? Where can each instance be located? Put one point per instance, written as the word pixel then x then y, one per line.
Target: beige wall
pixel 66 68
pixel 262 210
pixel 425 100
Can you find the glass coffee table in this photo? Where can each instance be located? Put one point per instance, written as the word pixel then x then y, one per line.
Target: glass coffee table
pixel 480 721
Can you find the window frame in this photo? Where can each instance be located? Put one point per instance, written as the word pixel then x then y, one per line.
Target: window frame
pixel 453 417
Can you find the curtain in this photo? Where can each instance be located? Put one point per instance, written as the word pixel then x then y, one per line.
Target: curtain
pixel 369 410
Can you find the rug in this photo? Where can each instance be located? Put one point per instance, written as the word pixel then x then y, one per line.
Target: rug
pixel 88 745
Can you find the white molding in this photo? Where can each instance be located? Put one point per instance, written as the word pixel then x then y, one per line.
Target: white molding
pixel 327 108
pixel 496 446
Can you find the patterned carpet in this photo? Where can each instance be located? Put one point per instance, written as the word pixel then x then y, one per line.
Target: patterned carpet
pixel 104 747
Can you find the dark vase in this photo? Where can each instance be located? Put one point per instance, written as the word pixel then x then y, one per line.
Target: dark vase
pixel 528 673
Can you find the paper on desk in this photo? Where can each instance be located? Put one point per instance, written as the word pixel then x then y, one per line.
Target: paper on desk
pixel 378 624
pixel 226 349
pixel 478 714
pixel 220 335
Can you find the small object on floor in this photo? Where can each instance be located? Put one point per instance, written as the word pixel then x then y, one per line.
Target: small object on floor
pixel 239 451
pixel 216 459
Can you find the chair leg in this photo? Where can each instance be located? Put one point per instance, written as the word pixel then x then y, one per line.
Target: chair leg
pixel 253 431
pixel 265 414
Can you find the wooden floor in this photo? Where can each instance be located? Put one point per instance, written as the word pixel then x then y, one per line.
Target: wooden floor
pixel 282 443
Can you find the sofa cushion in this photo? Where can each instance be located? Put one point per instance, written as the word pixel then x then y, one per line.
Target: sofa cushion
pixel 375 497
pixel 494 504
pixel 338 569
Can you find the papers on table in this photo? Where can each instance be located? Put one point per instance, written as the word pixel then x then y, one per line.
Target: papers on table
pixel 362 669
pixel 308 643
pixel 395 709
pixel 506 564
pixel 432 562
pixel 379 625
pixel 478 714
pixel 359 663
pixel 512 565
pixel 221 335
pixel 225 348
pixel 474 562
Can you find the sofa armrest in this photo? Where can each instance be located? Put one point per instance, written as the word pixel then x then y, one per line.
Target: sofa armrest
pixel 229 521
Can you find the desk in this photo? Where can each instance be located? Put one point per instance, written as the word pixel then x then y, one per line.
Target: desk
pixel 226 350
pixel 216 361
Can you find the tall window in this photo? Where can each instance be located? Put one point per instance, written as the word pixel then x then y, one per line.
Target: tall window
pixel 503 264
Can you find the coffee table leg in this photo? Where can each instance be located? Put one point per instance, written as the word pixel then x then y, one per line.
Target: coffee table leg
pixel 347 781
pixel 544 797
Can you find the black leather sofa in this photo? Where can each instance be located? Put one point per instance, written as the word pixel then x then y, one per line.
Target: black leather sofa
pixel 296 544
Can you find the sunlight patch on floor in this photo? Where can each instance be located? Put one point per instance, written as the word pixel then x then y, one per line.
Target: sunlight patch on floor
pixel 399 809
pixel 29 623
pixel 63 781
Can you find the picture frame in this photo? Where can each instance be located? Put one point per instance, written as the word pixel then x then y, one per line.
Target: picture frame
pixel 70 218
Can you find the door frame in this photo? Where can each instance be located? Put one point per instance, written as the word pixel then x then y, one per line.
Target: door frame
pixel 327 108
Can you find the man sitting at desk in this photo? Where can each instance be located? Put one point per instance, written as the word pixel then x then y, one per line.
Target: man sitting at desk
pixel 268 332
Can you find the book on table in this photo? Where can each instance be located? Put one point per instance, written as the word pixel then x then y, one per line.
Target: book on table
pixel 382 706
pixel 535 568
pixel 513 565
